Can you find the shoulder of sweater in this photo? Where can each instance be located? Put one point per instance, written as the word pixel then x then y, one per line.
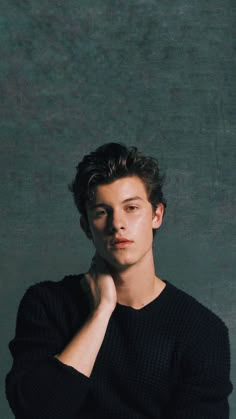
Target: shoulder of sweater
pixel 196 327
pixel 67 281
pixel 53 289
pixel 193 311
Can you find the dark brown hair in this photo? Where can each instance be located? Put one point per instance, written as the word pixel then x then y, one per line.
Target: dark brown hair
pixel 113 161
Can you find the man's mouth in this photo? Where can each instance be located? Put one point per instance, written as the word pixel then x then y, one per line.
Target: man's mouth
pixel 120 243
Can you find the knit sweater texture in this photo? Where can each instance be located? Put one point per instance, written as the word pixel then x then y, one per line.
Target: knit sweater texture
pixel 167 360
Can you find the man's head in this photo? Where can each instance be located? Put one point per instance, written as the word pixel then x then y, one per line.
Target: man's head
pixel 118 192
pixel 114 161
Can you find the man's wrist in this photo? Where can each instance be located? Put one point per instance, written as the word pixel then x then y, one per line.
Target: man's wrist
pixel 104 309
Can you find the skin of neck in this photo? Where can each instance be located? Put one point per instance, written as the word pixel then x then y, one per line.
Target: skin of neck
pixel 137 285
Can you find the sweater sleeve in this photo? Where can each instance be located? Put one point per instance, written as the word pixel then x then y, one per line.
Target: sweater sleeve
pixel 204 387
pixel 38 385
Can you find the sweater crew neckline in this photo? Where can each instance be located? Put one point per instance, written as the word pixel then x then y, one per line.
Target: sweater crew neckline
pixel 159 300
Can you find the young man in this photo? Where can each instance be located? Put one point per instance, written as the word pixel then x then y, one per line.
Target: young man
pixel 118 341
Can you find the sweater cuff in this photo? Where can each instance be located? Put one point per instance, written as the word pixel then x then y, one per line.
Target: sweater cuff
pixel 57 390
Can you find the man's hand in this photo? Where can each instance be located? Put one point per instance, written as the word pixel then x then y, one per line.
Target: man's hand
pixel 99 282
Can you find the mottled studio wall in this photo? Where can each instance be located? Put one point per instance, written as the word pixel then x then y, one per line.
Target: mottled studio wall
pixel 157 74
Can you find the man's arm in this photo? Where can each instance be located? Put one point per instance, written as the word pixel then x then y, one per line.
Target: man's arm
pixel 82 351
pixel 42 384
pixel 203 385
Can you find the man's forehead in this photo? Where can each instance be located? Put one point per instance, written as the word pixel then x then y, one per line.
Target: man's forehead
pixel 119 191
pixel 129 185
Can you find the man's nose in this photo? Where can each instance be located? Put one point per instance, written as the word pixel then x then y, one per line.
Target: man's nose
pixel 116 221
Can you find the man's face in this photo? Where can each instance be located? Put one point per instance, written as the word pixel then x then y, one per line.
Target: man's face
pixel 121 220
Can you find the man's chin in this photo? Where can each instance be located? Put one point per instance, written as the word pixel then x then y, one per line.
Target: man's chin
pixel 119 265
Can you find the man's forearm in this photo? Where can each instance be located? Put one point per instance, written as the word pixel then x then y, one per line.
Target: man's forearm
pixel 82 351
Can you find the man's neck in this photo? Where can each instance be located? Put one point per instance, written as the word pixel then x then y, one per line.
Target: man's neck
pixel 138 285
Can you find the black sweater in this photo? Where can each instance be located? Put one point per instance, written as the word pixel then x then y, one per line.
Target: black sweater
pixel 168 360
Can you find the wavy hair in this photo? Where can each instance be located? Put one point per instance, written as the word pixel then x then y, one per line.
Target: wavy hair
pixel 113 161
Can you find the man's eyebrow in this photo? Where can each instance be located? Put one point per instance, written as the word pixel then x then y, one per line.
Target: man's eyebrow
pixel 102 204
pixel 134 198
pixel 94 206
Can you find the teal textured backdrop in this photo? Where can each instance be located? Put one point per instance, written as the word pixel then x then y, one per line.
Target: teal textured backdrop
pixel 157 74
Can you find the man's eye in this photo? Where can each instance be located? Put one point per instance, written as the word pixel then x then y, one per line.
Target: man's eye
pixel 100 213
pixel 132 208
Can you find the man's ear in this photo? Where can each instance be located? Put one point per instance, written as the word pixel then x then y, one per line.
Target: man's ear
pixel 158 216
pixel 85 227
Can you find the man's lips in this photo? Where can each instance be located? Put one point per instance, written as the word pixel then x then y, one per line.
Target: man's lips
pixel 120 242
